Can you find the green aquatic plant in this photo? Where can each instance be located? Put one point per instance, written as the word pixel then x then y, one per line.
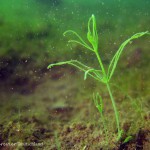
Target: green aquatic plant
pixel 98 101
pixel 99 74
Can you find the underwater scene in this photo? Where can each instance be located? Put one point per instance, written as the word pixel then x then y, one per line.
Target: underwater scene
pixel 74 74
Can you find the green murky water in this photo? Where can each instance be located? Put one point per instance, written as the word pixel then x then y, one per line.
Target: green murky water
pixel 50 18
pixel 50 107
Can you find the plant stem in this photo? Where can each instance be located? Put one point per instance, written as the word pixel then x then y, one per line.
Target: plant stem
pixel 110 94
pixel 115 108
pixel 100 62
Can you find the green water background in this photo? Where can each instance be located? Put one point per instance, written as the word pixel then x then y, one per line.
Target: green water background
pixel 31 34
pixel 34 28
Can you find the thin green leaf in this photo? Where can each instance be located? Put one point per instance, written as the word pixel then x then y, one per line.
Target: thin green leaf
pixel 76 64
pixel 92 36
pixel 116 57
pixel 86 46
pixel 83 43
pixel 86 73
pixel 97 73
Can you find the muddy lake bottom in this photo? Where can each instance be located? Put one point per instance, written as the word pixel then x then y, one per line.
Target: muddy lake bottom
pixel 56 111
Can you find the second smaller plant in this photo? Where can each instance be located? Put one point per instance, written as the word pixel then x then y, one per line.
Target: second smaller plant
pixel 99 105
